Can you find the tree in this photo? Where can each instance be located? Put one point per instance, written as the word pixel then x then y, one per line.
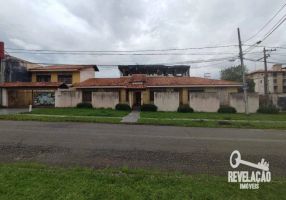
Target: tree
pixel 234 73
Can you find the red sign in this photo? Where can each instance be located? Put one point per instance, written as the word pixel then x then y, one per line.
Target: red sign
pixel 2 55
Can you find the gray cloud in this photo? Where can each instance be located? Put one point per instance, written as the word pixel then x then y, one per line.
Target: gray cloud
pixel 132 25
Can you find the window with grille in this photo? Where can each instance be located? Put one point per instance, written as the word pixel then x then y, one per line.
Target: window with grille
pixel 65 78
pixel 43 78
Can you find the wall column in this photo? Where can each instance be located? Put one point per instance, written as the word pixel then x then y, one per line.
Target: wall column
pixel 122 96
pixel 146 96
pixel 4 97
pixel 184 96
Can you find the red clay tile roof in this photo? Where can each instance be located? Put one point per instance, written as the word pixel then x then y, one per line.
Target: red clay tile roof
pixel 31 85
pixel 106 82
pixel 128 82
pixel 67 68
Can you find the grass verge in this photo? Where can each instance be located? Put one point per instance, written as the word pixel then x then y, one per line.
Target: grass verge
pixel 214 124
pixel 33 181
pixel 55 118
pixel 80 112
pixel 218 116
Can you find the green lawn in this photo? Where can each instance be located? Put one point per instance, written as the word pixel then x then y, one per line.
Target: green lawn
pixel 220 116
pixel 33 181
pixel 80 112
pixel 216 120
pixel 55 118
pixel 214 124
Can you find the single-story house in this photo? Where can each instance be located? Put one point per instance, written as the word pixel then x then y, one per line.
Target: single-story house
pixel 166 92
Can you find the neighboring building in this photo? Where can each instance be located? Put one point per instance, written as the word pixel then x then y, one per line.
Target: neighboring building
pixel 276 80
pixel 43 84
pixel 155 70
pixel 14 69
pixel 68 74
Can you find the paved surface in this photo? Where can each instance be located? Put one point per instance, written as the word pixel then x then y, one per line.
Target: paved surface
pixel 132 117
pixel 193 150
pixel 6 111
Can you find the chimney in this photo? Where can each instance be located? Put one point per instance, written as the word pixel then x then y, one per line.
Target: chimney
pixel 277 67
pixel 2 55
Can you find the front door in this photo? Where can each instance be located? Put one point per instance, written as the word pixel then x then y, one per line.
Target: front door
pixel 137 100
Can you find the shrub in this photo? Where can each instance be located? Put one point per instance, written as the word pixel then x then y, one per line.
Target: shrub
pixel 84 105
pixel 268 109
pixel 185 108
pixel 122 106
pixel 226 109
pixel 149 107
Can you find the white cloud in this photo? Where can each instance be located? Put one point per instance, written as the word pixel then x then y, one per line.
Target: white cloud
pixel 132 25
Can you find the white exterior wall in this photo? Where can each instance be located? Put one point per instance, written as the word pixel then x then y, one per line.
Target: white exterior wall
pixel 86 74
pixel 237 101
pixel 204 102
pixel 105 99
pixel 67 98
pixel 167 101
pixel 4 97
pixel 259 83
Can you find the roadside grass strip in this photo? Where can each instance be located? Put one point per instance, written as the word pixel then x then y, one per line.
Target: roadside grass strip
pixel 36 181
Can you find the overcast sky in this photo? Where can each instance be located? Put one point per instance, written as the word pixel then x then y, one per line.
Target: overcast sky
pixel 138 24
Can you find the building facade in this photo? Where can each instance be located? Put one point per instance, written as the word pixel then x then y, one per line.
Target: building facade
pixel 43 84
pixel 167 93
pixel 276 80
pixel 68 74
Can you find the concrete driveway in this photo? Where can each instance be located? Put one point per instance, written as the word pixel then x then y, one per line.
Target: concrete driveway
pixel 7 111
pixel 193 150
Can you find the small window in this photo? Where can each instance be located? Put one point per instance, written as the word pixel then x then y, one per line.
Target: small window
pixel 65 78
pixel 43 78
pixel 86 96
pixel 274 74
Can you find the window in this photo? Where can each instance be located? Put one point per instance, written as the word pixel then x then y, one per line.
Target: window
pixel 274 81
pixel 43 78
pixel 65 78
pixel 86 96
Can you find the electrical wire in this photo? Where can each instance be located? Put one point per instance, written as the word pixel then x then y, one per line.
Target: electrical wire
pixel 121 51
pixel 267 23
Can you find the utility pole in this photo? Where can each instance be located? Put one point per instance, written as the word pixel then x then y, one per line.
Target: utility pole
pixel 265 73
pixel 265 56
pixel 243 73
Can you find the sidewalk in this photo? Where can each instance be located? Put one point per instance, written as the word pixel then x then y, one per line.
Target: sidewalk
pixel 132 117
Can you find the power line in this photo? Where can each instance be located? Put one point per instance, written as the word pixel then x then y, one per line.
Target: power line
pixel 122 54
pixel 274 28
pixel 171 63
pixel 115 51
pixel 268 22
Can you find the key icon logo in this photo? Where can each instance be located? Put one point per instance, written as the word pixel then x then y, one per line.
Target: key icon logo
pixel 235 160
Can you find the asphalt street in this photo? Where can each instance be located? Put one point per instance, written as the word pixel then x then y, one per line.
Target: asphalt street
pixel 192 150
